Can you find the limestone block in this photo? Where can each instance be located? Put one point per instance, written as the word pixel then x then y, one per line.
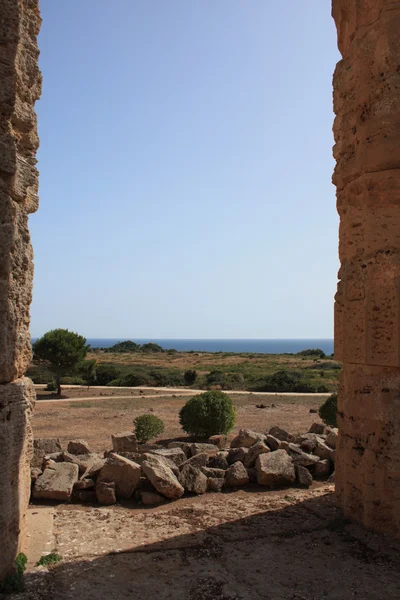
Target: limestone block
pixel 56 482
pixel 16 403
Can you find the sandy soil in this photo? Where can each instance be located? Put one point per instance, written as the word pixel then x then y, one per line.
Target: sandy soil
pixel 246 545
pixel 96 420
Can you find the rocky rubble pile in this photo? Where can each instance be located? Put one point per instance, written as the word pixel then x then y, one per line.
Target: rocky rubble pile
pixel 151 473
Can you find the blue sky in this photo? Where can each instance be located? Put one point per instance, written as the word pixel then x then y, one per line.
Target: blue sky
pixel 185 169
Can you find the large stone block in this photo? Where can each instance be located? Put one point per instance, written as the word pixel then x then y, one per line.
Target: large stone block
pixel 16 403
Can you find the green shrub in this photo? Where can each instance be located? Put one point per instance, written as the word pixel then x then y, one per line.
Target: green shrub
pixel 51 386
pixel 49 559
pixel 190 376
pixel 151 347
pixel 208 414
pixel 74 380
pixel 328 411
pixel 312 353
pixel 106 373
pixel 15 582
pixel 127 346
pixel 147 427
pixel 284 381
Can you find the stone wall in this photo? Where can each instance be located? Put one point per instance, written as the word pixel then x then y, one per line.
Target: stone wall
pixel 367 309
pixel 20 88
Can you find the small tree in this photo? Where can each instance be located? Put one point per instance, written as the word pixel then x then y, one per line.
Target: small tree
pixel 147 427
pixel 87 371
pixel 328 411
pixel 62 350
pixel 208 414
pixel 190 376
pixel 152 347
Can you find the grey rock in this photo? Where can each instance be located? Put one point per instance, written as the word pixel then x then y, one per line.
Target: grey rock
pixel 183 446
pixel 198 460
pixel 56 482
pixel 275 469
pixel 219 461
pixel 303 476
pixel 192 479
pixel 280 434
pixel 210 472
pixel 247 438
pixel 272 442
pixel 78 447
pixel 162 478
pixel 215 484
pixel 218 440
pixel 106 493
pixel 43 447
pixel 254 452
pixel 210 449
pixel 236 475
pixel 252 473
pixel 159 458
pixel 331 438
pixel 237 454
pixel 124 442
pixel 84 484
pixel 301 458
pixel 322 469
pixel 176 455
pixel 124 473
pixel 318 428
pixel 151 498
pixel 323 450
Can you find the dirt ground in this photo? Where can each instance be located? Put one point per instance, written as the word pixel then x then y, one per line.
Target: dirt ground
pixel 96 420
pixel 245 545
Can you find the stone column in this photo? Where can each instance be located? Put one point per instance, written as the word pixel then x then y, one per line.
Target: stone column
pixel 367 308
pixel 20 86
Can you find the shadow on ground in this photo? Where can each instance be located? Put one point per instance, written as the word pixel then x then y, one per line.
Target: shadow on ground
pixel 304 551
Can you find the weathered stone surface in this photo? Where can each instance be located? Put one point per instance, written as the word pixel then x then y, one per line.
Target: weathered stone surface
pixel 209 472
pixel 16 404
pixel 218 440
pixel 43 447
pixel 322 450
pixel 211 449
pixel 151 498
pixel 78 447
pixel 272 442
pixel 198 460
pixel 322 469
pixel 185 446
pixel 176 455
pixel 303 476
pixel 87 496
pixel 252 473
pixel 280 434
pixel 153 458
pixel 56 482
pixel 162 478
pixel 192 479
pixel 301 458
pixel 331 439
pixel 247 438
pixel 215 484
pixel 105 493
pixel 236 454
pixel 275 469
pixel 124 442
pixel 123 472
pixel 318 428
pixel 367 315
pixel 253 453
pixel 236 475
pixel 84 484
pixel 219 461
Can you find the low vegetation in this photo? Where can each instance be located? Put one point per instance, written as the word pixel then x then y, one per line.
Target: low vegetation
pixel 328 411
pixel 49 559
pixel 208 414
pixel 14 583
pixel 147 427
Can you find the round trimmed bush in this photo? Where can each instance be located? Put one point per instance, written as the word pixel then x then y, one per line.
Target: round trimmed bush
pixel 328 411
pixel 208 414
pixel 147 427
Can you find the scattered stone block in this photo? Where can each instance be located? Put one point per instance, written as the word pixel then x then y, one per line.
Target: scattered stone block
pixel 323 450
pixel 151 498
pixel 210 449
pixel 56 482
pixel 253 453
pixel 272 442
pixel 192 479
pixel 303 476
pixel 219 461
pixel 301 458
pixel 87 496
pixel 124 473
pixel 236 454
pixel 124 442
pixel 106 493
pixel 247 438
pixel 176 455
pixel 198 460
pixel 84 484
pixel 318 428
pixel 275 469
pixel 78 447
pixel 210 472
pixel 43 447
pixel 322 469
pixel 236 475
pixel 215 484
pixel 156 458
pixel 162 478
pixel 218 440
pixel 252 473
pixel 331 438
pixel 183 446
pixel 280 434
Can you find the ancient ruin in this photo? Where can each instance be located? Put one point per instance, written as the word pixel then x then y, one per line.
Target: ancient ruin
pixel 20 88
pixel 367 315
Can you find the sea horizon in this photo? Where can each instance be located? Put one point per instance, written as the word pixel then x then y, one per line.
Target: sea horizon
pixel 256 345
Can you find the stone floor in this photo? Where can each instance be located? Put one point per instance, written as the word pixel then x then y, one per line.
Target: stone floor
pixel 245 545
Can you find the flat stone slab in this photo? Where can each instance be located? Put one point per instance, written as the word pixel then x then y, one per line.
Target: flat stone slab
pixel 56 482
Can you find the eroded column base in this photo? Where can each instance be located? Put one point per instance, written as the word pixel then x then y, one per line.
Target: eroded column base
pixel 16 404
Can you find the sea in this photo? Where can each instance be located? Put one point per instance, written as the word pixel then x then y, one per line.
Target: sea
pixel 290 346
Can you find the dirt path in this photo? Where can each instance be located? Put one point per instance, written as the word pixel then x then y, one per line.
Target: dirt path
pixel 246 545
